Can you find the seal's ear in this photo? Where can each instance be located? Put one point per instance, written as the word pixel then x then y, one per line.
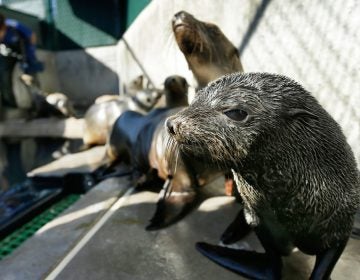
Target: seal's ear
pixel 236 51
pixel 294 113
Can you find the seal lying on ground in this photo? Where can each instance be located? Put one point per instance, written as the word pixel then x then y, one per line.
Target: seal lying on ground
pixel 295 172
pixel 206 49
pixel 62 103
pixel 133 132
pixel 100 117
pixel 136 140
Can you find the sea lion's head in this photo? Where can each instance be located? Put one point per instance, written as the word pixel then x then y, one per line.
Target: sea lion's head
pixel 238 113
pixel 207 50
pixel 176 90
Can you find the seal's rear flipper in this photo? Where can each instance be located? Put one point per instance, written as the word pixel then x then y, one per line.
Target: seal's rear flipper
pixel 326 260
pixel 249 264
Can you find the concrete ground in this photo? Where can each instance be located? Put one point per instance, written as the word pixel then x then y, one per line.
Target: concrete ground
pixel 102 236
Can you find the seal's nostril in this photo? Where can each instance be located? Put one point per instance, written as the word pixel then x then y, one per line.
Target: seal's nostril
pixel 169 81
pixel 170 127
pixel 179 14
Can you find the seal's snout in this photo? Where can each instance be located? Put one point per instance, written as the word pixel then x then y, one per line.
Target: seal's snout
pixel 179 18
pixel 170 126
pixel 176 84
pixel 180 15
pixel 170 81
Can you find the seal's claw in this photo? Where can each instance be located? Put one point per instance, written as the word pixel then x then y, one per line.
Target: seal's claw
pixel 249 264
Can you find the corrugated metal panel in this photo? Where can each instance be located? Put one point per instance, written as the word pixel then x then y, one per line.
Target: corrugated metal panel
pixel 74 24
pixel 134 7
pixel 80 24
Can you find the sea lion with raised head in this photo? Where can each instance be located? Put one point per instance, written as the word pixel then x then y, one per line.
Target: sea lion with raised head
pixel 133 135
pixel 208 52
pixel 126 144
pixel 294 170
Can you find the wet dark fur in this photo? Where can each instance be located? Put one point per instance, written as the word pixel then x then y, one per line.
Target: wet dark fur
pixel 293 167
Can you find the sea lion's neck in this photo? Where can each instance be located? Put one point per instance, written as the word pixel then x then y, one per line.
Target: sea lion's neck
pixel 173 102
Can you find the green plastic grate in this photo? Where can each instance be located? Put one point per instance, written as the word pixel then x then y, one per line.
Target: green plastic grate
pixel 15 239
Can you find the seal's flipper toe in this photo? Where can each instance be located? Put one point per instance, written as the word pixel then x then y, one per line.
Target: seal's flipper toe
pixel 246 263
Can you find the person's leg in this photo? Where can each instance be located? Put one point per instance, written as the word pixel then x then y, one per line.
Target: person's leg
pixel 6 70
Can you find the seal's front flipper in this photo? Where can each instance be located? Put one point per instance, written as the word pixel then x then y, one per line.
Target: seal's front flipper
pixel 237 230
pixel 172 208
pixel 112 170
pixel 249 264
pixel 325 262
pixel 177 198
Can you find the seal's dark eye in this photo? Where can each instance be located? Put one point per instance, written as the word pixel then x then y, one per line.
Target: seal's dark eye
pixel 236 114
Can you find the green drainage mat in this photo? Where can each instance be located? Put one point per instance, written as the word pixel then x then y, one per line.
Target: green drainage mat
pixel 14 240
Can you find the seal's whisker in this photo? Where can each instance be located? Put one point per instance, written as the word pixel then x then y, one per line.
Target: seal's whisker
pixel 170 43
pixel 172 153
pixel 176 160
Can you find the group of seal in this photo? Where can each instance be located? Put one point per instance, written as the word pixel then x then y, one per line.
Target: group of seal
pixel 144 145
pixel 293 168
pixel 100 117
pixel 296 175
pixel 209 54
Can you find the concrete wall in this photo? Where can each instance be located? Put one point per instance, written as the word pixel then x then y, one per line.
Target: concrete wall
pixel 314 42
pixel 83 75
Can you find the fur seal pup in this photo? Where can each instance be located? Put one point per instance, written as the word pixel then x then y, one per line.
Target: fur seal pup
pixel 294 170
pixel 62 103
pixel 208 52
pixel 140 141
